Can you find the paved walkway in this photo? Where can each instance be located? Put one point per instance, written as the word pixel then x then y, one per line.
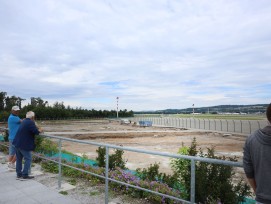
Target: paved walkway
pixel 14 191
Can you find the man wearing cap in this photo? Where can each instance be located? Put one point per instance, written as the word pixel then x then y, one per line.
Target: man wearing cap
pixel 13 124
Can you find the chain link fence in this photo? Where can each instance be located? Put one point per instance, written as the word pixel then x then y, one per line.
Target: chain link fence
pixel 234 126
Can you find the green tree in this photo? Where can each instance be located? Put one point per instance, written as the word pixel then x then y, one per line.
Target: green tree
pixel 2 100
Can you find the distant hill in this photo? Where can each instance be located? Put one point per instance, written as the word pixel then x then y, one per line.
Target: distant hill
pixel 248 109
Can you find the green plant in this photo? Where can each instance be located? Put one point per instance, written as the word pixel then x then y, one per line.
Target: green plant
pixel 180 165
pixel 101 156
pixel 38 141
pixel 45 146
pixel 52 167
pixel 6 134
pixel 63 192
pixel 122 175
pixel 94 193
pixel 72 181
pixel 214 182
pixel 151 173
pixel 49 166
pixel 115 160
pixel 84 157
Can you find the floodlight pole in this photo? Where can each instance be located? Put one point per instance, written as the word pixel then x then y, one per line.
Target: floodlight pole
pixel 117 107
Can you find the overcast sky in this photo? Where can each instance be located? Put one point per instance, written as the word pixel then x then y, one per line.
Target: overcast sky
pixel 152 54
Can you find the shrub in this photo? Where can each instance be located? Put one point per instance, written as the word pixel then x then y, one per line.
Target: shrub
pixel 213 181
pixel 45 146
pixel 52 167
pixel 151 173
pixel 101 156
pixel 115 160
pixel 127 177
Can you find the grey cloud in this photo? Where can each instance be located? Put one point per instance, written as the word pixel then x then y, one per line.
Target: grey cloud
pixel 152 50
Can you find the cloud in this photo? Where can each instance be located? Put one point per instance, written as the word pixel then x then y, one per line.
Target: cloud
pixel 153 55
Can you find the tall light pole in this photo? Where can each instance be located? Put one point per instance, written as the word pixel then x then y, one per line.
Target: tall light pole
pixel 117 106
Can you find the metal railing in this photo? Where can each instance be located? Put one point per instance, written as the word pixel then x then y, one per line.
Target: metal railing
pixel 235 126
pixel 107 178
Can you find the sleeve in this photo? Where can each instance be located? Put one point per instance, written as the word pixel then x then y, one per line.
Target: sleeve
pixel 247 161
pixel 17 120
pixel 33 129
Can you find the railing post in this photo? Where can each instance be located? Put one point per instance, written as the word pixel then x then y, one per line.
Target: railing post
pixel 227 125
pixel 106 174
pixel 59 164
pixel 241 126
pixel 193 181
pixel 221 125
pixel 249 127
pixel 233 125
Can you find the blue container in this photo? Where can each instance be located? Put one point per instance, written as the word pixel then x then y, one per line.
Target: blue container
pixel 144 123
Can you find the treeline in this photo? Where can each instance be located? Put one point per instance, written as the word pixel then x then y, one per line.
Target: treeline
pixel 58 110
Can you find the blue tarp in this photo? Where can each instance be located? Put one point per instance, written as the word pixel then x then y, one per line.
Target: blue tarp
pixel 249 201
pixel 76 159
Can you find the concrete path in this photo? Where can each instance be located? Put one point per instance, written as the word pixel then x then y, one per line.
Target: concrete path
pixel 14 191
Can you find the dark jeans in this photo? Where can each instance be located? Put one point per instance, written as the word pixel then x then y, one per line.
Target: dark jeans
pixel 20 155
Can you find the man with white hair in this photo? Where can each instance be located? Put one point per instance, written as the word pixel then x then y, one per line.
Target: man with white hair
pixel 24 143
pixel 14 122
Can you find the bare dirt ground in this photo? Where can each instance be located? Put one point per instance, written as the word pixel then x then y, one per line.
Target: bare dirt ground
pixel 159 139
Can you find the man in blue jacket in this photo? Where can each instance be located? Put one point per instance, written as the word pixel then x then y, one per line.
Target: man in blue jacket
pixel 257 161
pixel 24 143
pixel 13 124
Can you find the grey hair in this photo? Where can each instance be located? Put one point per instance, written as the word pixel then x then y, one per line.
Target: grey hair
pixel 30 114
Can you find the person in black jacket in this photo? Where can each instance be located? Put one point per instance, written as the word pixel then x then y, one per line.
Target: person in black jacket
pixel 257 161
pixel 24 143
